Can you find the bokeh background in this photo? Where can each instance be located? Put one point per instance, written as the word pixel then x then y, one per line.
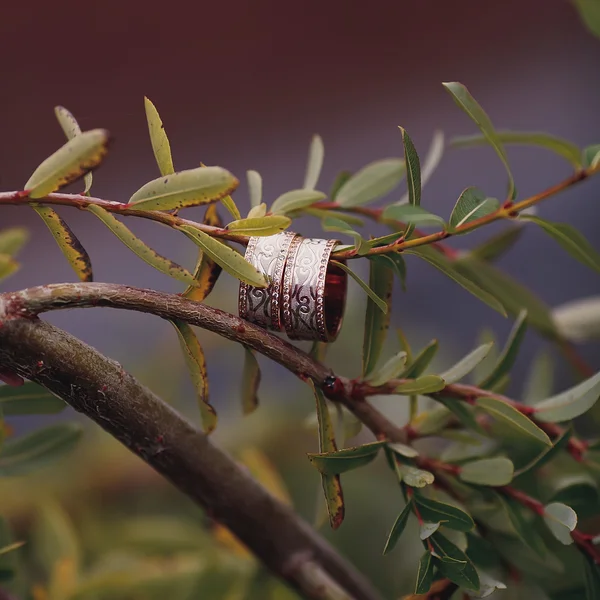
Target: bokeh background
pixel 245 85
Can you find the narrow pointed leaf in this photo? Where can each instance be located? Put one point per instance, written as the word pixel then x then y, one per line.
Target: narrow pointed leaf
pixel 254 187
pixel 571 240
pixel 591 154
pixel 381 304
pixel 420 362
pixel 230 260
pixel 207 271
pixel 464 366
pixel 426 384
pixel 28 399
pixel 463 412
pixel 397 528
pixel 547 454
pixel 193 187
pixel 250 381
pixel 143 251
pixel 413 215
pixel 338 183
pixel 471 205
pixel 11 548
pixel 231 207
pixel 29 452
pixel 78 156
pixel 371 182
pixel 389 370
pixel 591 568
pixel 563 148
pixel 158 139
pixel 12 240
pixel 509 353
pixel 348 459
pixel 454 563
pixel 381 281
pixel 513 418
pixel 463 98
pixel 71 128
pixel 498 244
pixel 8 266
pixel 569 404
pixel 424 574
pixel 314 163
pixel 68 243
pixel 334 224
pixel 451 516
pixel 561 520
pixel 488 471
pixel 196 363
pixel 296 200
pixel 260 226
pixel 332 487
pixel 413 169
pixel 393 261
pixel 445 266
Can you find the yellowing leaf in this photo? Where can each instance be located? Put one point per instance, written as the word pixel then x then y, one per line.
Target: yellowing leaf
pixel 69 245
pixel 143 251
pixel 12 240
pixel 79 155
pixel 260 226
pixel 233 262
pixel 8 266
pixel 158 139
pixel 196 363
pixel 185 188
pixel 71 128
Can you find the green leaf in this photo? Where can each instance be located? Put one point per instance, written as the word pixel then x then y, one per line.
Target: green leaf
pixel 193 187
pixel 513 296
pixel 230 260
pixel 28 399
pixel 547 454
pixel 464 366
pixel 68 243
pixel 11 547
pixel 231 207
pixel 563 148
pixel 250 381
pixel 462 411
pixel 254 187
pixel 570 403
pixel 159 139
pixel 315 163
pixel 257 211
pixel 413 169
pixel 540 379
pixel 332 487
pixel 371 182
pixel 413 215
pixel 497 245
pixel 471 205
pixel 8 266
pixel 578 320
pixel 509 353
pixel 296 200
pixel 424 574
pixel 511 416
pixel 591 156
pixel 196 364
pixel 389 370
pixel 592 578
pixel 397 529
pixel 139 248
pixel 488 585
pixel 335 224
pixel 589 11
pixel 418 365
pixel 441 263
pixel 392 261
pixel 403 450
pixel 414 477
pixel 561 520
pixel 12 240
pixel 207 271
pixel 428 529
pixel 454 563
pixel 571 240
pixel 348 459
pixel 427 384
pixel 450 516
pixel 78 156
pixel 34 450
pixel 71 128
pixel 463 98
pixel 488 471
pixel 381 304
pixel 260 226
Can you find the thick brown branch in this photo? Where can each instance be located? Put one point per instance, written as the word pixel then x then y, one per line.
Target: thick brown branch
pixel 101 389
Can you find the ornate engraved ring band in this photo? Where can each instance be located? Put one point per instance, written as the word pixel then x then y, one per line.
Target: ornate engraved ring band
pixel 314 291
pixel 268 255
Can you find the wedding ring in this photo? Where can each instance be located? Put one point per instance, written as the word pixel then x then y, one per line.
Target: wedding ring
pixel 314 291
pixel 268 255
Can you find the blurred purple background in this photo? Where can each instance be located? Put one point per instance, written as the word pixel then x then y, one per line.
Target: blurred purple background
pixel 245 85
